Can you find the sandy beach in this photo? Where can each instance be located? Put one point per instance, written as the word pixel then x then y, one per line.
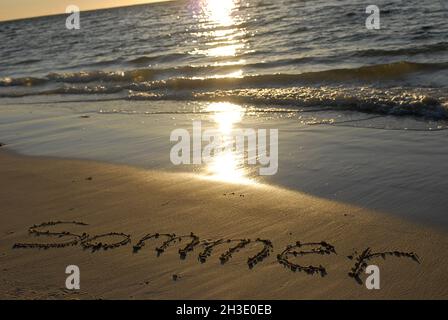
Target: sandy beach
pixel 136 202
pixel 223 149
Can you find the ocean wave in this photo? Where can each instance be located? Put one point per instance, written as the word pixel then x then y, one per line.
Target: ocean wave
pixel 144 60
pixel 24 81
pixel 103 76
pixel 365 74
pixel 424 49
pixel 354 88
pixel 26 62
pixel 430 104
pixel 190 77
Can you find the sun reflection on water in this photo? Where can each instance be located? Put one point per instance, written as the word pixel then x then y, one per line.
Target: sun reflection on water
pixel 225 115
pixel 227 165
pixel 220 11
pixel 220 35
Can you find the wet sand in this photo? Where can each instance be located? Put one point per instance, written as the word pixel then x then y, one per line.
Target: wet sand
pixel 400 172
pixel 133 203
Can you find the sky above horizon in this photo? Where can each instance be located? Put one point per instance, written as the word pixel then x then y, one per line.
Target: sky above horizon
pixel 18 9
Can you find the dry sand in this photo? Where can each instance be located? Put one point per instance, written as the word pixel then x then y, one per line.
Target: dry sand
pixel 138 202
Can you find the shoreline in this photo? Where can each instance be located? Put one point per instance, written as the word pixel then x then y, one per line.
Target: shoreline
pixel 403 173
pixel 121 199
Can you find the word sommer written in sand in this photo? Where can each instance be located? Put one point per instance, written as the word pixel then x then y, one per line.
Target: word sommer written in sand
pixel 297 249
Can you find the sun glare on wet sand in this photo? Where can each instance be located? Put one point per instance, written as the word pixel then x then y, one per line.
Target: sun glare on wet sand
pixel 228 165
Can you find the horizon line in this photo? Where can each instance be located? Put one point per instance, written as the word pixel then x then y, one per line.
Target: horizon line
pixel 89 10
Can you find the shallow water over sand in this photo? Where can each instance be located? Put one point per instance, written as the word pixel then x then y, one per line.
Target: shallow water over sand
pixel 371 161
